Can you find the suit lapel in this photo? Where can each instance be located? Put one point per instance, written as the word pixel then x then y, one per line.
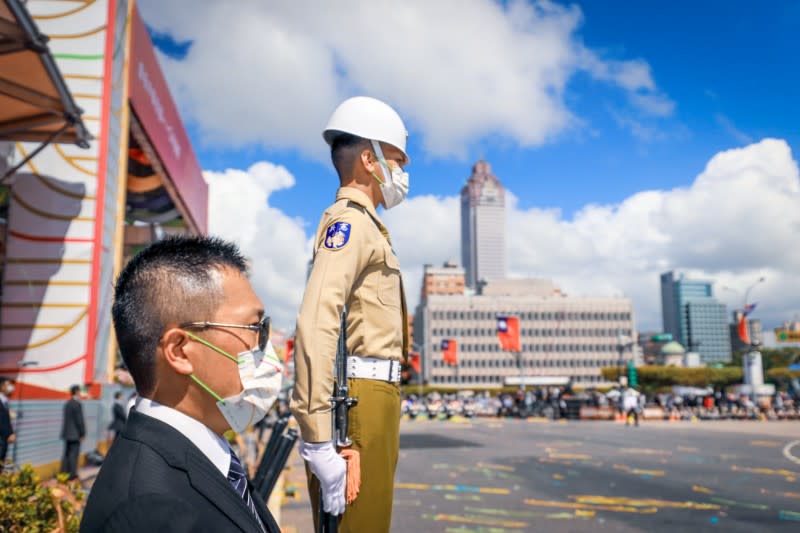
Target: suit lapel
pixel 263 512
pixel 209 482
pixel 180 452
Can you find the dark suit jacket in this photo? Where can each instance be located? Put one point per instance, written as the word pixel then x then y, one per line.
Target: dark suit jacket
pixel 73 427
pixel 6 429
pixel 118 423
pixel 155 479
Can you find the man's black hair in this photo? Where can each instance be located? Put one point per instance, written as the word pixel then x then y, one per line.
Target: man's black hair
pixel 170 282
pixel 117 395
pixel 75 389
pixel 345 149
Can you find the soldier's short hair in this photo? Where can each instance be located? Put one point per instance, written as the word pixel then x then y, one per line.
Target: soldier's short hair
pixel 345 150
pixel 172 281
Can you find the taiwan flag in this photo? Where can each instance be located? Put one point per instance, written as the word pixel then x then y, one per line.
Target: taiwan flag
pixel 449 351
pixel 744 332
pixel 508 333
pixel 289 351
pixel 415 361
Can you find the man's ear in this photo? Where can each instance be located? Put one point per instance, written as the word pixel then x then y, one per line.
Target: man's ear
pixel 175 345
pixel 369 161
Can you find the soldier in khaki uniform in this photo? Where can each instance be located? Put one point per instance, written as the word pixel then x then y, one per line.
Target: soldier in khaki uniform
pixel 355 266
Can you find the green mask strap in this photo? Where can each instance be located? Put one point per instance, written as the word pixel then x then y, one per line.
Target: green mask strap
pixel 206 343
pixel 207 389
pixel 218 350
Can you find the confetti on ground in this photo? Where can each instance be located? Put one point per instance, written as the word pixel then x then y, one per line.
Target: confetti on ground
pixel 645 502
pixel 644 451
pixel 500 512
pixel 688 449
pixel 462 497
pixel 789 515
pixel 788 474
pixel 408 503
pixel 590 507
pixel 558 476
pixel 474 520
pixel 639 471
pixel 553 454
pixel 584 513
pixel 725 501
pixel 452 488
pixel 463 529
pixel 704 490
pixel 795 495
pixel 496 467
pixel 765 443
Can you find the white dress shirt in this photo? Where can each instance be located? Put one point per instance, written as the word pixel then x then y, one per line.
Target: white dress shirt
pixel 212 445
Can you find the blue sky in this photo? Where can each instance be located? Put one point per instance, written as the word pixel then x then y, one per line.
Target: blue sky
pixel 658 91
pixel 732 69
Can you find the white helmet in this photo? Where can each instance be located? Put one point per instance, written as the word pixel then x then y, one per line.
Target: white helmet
pixel 368 118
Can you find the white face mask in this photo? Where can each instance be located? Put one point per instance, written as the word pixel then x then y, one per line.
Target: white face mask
pixel 261 374
pixel 395 187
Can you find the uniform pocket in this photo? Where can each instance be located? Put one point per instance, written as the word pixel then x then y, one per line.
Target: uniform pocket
pixel 389 282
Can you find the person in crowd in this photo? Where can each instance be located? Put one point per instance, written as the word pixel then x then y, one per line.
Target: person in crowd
pixel 7 435
pixel 118 415
pixel 630 405
pixel 195 339
pixel 73 430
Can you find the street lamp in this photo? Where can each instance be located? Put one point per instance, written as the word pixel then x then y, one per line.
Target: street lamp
pixel 21 365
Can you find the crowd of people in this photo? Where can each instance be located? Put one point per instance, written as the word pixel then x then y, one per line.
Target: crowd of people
pixel 558 402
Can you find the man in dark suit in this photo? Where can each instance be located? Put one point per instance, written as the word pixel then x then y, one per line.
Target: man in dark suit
pixel 170 469
pixel 7 435
pixel 73 429
pixel 118 415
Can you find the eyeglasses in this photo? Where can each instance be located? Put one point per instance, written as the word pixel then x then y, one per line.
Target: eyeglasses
pixel 263 328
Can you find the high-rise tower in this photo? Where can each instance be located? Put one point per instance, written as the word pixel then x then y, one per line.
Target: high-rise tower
pixel 483 226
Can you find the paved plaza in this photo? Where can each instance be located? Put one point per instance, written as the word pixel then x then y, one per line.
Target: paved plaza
pixel 504 475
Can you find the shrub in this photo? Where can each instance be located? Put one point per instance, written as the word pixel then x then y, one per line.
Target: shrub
pixel 28 505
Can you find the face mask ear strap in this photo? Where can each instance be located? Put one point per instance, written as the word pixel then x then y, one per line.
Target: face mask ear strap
pixel 209 345
pixel 376 146
pixel 207 389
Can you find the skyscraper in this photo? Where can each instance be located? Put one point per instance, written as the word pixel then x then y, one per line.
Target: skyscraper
pixel 483 226
pixel 694 317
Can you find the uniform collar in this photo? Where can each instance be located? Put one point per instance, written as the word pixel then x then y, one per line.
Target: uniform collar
pixel 359 197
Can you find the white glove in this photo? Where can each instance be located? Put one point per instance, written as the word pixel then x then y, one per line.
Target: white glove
pixel 331 470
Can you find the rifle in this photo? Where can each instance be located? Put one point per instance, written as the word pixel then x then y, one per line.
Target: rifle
pixel 269 452
pixel 341 402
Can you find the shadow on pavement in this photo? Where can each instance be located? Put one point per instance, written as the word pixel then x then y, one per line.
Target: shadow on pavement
pixel 410 441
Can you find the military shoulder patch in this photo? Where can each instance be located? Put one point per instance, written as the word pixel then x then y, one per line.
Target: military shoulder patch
pixel 337 235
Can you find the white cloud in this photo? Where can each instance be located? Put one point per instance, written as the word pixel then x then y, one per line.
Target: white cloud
pixel 275 243
pixel 737 221
pixel 270 73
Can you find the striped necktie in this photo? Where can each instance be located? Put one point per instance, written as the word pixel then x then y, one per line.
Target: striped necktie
pixel 238 480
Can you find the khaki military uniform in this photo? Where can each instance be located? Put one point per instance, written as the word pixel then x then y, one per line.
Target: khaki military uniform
pixel 354 265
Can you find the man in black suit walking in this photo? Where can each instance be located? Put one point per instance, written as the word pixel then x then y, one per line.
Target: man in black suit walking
pixel 185 314
pixel 118 415
pixel 73 429
pixel 7 435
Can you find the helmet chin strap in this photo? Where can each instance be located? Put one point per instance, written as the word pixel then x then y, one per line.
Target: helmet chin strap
pixel 387 174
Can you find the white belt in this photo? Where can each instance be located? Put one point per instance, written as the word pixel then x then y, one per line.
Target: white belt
pixel 373 368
